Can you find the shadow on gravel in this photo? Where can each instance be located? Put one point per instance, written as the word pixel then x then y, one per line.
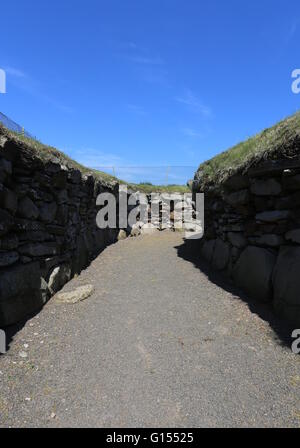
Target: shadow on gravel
pixel 12 330
pixel 190 250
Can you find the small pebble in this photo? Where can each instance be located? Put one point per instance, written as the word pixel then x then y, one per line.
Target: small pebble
pixel 23 354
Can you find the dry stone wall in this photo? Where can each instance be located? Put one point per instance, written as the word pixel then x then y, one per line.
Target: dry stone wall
pixel 48 229
pixel 252 232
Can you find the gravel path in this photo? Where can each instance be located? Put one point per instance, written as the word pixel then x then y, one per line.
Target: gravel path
pixel 157 344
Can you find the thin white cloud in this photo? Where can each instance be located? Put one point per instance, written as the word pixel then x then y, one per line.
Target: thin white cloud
pixel 94 158
pixel 146 60
pixel 26 83
pixel 194 104
pixel 15 72
pixel 189 132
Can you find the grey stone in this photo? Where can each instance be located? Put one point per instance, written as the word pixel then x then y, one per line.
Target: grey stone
pixel 286 281
pixel 238 198
pixel 79 294
pixel 237 239
pixel 270 240
pixel 38 249
pixel 221 255
pixel 253 272
pixel 58 277
pixel 48 212
pixel 273 215
pixel 266 187
pixel 27 209
pixel 122 235
pixel 293 235
pixel 8 258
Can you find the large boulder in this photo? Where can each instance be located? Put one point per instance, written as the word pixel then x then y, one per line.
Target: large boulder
pixel 22 291
pixel 207 250
pixel 220 258
pixel 286 282
pixel 253 272
pixel 273 215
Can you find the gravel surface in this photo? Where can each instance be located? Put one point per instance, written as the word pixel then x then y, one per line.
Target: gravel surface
pixel 157 344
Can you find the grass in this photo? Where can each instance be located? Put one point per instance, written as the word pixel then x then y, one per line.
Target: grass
pixel 276 142
pixel 47 153
pixel 172 188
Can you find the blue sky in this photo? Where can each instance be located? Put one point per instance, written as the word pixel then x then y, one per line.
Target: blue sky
pixel 148 83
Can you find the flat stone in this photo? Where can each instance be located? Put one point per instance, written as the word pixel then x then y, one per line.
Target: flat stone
pixel 253 272
pixel 273 215
pixel 79 294
pixel 293 235
pixel 266 187
pixel 270 240
pixel 39 249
